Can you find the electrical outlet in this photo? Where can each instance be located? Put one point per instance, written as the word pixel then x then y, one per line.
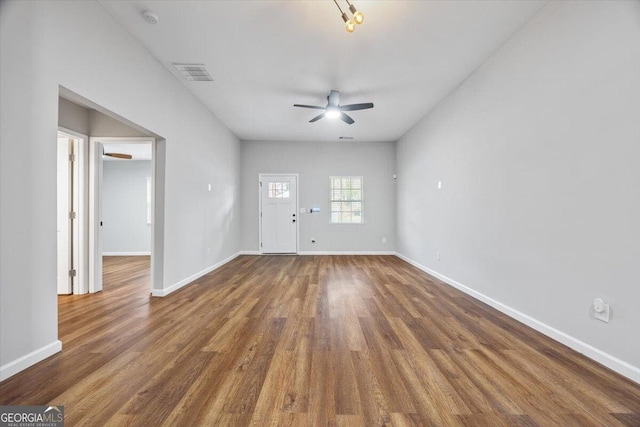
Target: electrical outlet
pixel 384 240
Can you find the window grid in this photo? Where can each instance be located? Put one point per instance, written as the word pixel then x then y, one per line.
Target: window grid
pixel 278 190
pixel 347 205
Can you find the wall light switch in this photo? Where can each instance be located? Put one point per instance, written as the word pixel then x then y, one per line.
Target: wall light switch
pixel 439 185
pixel 208 187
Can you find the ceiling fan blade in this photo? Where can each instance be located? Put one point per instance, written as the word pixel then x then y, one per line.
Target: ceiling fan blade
pixel 119 155
pixel 334 98
pixel 308 106
pixel 316 118
pixel 346 119
pixel 353 107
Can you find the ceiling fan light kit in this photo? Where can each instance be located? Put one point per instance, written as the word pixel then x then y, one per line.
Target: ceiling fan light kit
pixel 350 24
pixel 334 110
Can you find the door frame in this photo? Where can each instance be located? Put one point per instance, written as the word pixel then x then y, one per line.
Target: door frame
pixel 81 203
pixel 95 205
pixel 260 177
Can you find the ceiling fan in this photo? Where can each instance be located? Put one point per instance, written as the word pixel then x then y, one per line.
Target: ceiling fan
pixel 334 109
pixel 117 155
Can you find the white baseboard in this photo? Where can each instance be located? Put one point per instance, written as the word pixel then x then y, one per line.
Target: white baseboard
pixel 22 363
pixel 611 362
pixel 346 253
pixel 249 253
pixel 126 253
pixel 184 282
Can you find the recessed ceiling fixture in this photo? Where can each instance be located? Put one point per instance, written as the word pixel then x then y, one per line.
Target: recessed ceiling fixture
pixel 150 16
pixel 350 24
pixel 334 110
pixel 194 72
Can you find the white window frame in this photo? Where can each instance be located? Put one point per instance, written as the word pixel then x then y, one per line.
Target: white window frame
pixel 331 178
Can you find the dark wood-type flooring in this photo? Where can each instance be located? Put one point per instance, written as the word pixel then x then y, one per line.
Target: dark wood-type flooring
pixel 311 341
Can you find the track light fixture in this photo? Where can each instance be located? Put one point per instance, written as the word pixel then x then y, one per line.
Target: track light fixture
pixel 350 24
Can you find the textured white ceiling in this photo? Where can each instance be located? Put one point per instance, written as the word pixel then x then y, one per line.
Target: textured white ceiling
pixel 267 55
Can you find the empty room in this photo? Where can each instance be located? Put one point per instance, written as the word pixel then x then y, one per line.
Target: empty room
pixel 320 213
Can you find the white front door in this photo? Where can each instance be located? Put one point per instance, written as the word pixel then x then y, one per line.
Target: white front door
pixel 278 214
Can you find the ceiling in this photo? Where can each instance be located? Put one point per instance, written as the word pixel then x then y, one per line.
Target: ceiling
pixel 264 56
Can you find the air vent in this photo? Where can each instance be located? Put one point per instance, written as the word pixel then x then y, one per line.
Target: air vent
pixel 345 137
pixel 194 72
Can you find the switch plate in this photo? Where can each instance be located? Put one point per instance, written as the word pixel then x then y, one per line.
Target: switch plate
pixel 603 314
pixel 209 187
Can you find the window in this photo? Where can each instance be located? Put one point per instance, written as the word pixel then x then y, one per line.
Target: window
pixel 149 200
pixel 346 200
pixel 278 190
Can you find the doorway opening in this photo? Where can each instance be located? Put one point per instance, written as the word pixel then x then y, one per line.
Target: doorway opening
pixel 121 223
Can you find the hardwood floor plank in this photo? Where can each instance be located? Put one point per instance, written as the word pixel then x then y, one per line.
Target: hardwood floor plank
pixel 310 341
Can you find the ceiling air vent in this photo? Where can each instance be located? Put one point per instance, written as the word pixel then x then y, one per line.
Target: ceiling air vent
pixel 345 137
pixel 194 72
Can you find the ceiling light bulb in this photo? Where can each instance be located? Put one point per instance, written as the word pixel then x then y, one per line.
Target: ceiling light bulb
pixel 349 25
pixel 357 15
pixel 332 113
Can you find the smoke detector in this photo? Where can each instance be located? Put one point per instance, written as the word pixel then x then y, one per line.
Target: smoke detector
pixel 150 17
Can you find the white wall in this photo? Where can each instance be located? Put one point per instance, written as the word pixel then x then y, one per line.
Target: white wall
pixel 38 41
pixel 74 117
pixel 315 162
pixel 124 207
pixel 539 157
pixel 105 126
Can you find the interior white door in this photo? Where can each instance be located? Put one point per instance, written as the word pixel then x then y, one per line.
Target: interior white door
pixel 278 214
pixel 95 216
pixel 63 222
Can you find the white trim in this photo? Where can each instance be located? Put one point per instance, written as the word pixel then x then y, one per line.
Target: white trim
pixel 193 277
pixel 611 362
pixel 28 360
pixel 95 206
pixel 144 253
pixel 346 253
pixel 249 253
pixel 81 204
